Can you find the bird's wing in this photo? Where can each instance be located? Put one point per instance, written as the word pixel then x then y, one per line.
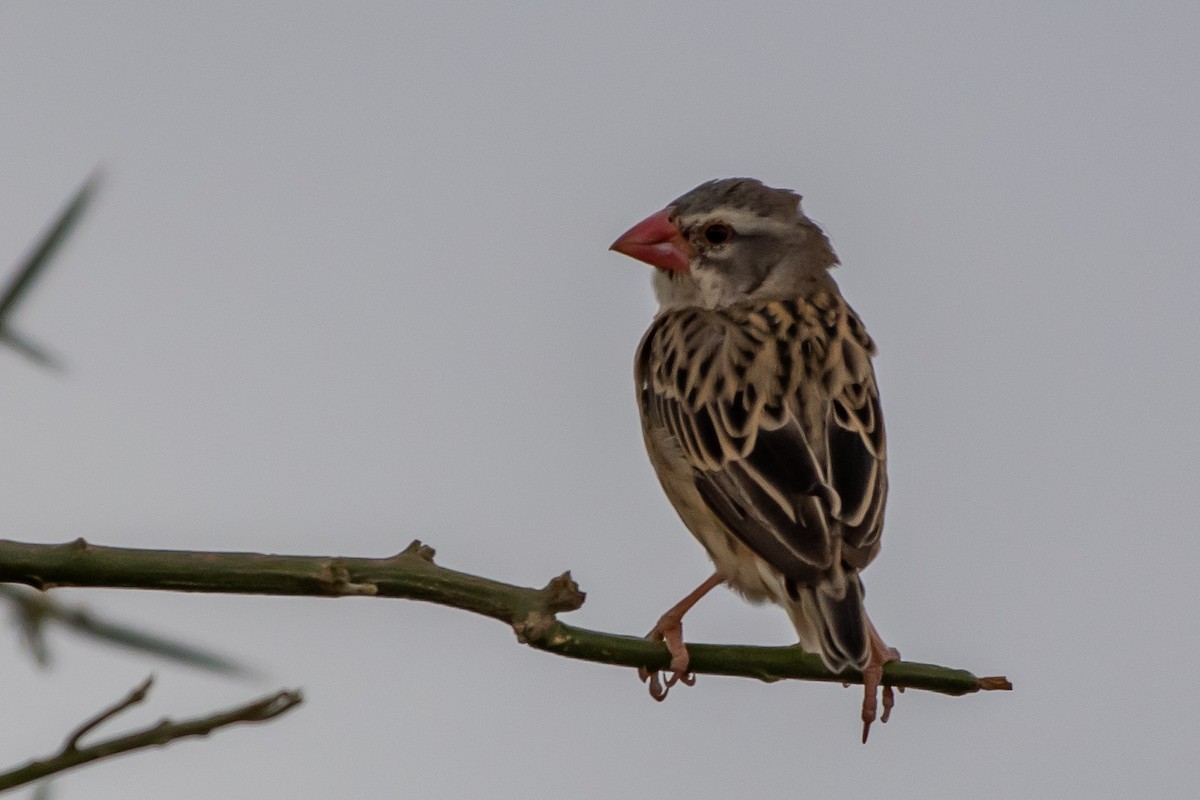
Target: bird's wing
pixel 45 248
pixel 776 410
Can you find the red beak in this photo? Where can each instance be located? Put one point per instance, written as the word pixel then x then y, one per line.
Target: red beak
pixel 656 241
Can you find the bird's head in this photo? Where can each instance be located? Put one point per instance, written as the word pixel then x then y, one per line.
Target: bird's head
pixel 728 240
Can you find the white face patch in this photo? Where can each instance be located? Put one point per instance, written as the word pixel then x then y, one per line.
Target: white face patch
pixel 704 287
pixel 723 274
pixel 677 291
pixel 713 286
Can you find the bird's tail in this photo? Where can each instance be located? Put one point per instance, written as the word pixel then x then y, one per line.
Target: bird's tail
pixel 831 621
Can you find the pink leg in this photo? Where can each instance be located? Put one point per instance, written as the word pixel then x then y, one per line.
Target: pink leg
pixel 872 676
pixel 669 631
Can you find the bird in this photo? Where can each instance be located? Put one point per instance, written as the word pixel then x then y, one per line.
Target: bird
pixel 33 265
pixel 760 414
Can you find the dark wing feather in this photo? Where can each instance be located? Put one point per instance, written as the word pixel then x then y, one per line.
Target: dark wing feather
pixel 857 446
pixel 776 410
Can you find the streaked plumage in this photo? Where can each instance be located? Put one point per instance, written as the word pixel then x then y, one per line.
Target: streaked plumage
pixel 761 412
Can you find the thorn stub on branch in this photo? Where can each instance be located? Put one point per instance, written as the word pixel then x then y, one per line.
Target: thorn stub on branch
pixel 767 677
pixel 336 578
pixel 562 594
pixel 533 627
pixel 421 551
pixel 282 701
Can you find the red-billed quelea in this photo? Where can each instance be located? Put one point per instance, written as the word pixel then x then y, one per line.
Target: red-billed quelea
pixel 761 417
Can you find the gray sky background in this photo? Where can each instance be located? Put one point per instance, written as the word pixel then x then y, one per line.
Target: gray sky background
pixel 347 285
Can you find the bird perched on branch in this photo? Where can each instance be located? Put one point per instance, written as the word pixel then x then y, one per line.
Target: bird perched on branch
pixel 761 417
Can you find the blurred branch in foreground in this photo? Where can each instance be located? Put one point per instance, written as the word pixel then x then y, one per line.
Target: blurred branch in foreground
pixel 73 754
pixel 28 271
pixel 412 575
pixel 34 610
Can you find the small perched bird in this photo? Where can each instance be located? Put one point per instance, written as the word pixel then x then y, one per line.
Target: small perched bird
pixel 761 416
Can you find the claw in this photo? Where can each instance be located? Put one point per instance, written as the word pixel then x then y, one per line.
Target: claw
pixel 669 631
pixel 654 684
pixel 889 700
pixel 872 679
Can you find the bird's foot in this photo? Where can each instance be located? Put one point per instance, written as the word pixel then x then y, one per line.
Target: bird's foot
pixel 872 679
pixel 669 631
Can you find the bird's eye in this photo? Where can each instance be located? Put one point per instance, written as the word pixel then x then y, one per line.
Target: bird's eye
pixel 718 233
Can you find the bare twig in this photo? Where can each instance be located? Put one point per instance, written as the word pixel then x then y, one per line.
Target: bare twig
pixel 35 609
pixel 412 575
pixel 163 732
pixel 132 699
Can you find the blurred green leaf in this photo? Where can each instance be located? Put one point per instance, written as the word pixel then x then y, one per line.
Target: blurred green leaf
pixel 34 609
pixel 33 266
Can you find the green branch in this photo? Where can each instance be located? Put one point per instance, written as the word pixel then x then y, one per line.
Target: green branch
pixel 412 575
